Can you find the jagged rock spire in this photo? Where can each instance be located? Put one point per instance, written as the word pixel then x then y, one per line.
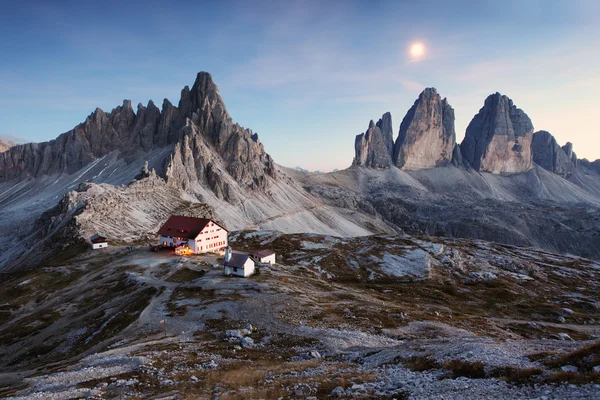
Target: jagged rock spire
pixel 373 149
pixel 427 137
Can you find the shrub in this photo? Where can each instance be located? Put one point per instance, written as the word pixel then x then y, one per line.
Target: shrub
pixel 469 369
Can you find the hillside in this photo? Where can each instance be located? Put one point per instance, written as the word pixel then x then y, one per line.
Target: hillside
pixel 377 316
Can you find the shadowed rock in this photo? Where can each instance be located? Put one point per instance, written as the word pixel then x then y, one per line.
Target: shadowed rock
pixel 373 149
pixel 549 155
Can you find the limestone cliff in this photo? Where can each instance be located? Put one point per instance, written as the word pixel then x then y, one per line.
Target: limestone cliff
pixel 427 137
pixel 498 139
pixel 549 155
pixel 373 149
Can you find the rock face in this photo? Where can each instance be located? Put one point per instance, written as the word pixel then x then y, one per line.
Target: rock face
pixel 549 155
pixel 198 126
pixel 374 148
pixel 5 145
pixel 498 139
pixel 427 137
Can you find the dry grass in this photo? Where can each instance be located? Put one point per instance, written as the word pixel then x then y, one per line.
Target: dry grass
pixel 183 275
pixel 421 363
pixel 516 375
pixel 469 369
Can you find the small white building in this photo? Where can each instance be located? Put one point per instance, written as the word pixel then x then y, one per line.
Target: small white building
pixel 199 235
pixel 99 241
pixel 237 264
pixel 264 256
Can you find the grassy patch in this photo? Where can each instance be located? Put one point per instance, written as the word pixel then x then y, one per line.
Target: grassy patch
pixel 469 369
pixel 421 363
pixel 185 274
pixel 516 375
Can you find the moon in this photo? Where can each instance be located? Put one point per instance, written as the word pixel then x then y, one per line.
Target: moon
pixel 417 51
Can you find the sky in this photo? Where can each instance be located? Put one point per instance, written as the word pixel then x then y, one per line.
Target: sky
pixel 307 76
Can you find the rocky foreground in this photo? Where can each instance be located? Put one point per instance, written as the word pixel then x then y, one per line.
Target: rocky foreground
pixel 373 317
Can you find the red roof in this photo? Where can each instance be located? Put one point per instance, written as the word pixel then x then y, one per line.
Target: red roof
pixel 184 227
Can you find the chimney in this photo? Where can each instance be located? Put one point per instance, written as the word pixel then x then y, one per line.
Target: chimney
pixel 227 254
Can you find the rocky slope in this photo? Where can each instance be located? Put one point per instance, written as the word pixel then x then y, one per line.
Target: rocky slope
pixel 427 137
pixel 384 316
pixel 374 148
pixel 498 139
pixel 535 208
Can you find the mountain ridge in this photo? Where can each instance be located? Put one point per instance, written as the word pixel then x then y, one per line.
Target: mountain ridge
pixel 198 156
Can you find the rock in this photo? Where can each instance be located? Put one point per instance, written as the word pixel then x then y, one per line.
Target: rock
pixel 498 139
pixel 567 311
pixel 564 336
pixel 373 149
pixel 596 369
pixel 249 327
pixel 561 319
pixel 212 364
pixel 5 145
pixel 247 342
pixel 338 392
pixel 193 379
pixel 302 389
pixel 166 382
pixel 427 137
pixel 314 354
pixel 550 156
pixel 234 333
pixel 569 368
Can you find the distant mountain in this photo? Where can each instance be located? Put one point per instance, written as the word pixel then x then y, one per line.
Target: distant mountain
pixel 300 169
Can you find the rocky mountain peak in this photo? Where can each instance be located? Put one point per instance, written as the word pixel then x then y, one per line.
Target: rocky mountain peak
pixel 498 138
pixel 207 147
pixel 373 149
pixel 427 136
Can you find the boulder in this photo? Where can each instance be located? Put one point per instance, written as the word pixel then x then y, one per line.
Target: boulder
pixel 569 368
pixel 498 139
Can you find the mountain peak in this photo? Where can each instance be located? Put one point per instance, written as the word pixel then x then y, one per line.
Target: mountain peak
pixel 498 138
pixel 427 137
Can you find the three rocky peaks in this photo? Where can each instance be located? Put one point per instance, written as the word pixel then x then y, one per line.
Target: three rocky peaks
pixel 499 139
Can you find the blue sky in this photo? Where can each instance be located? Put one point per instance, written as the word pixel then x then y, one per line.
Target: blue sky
pixel 306 76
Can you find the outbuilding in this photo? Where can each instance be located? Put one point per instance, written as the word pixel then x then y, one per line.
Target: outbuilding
pixel 99 241
pixel 264 256
pixel 238 264
pixel 196 235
